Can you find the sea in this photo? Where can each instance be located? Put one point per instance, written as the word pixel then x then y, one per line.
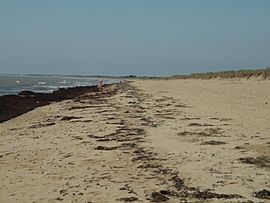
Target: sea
pixel 13 84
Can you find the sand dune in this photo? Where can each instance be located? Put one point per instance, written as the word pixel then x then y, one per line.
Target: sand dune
pixel 149 140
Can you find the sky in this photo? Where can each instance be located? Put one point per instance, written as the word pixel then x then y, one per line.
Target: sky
pixel 133 37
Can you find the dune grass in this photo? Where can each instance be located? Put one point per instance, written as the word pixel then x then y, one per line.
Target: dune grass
pixel 258 73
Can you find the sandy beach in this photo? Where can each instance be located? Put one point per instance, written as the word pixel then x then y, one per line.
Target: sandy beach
pixel 143 141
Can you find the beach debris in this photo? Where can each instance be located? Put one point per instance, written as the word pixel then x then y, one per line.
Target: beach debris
pixel 67 155
pixel 40 125
pixel 263 194
pixel 63 192
pixel 210 195
pixel 168 192
pixel 194 124
pixel 213 142
pixel 183 133
pixel 81 107
pixel 184 191
pixel 239 147
pixel 187 118
pixel 77 137
pixel 149 165
pixel 68 118
pixel 162 196
pixel 200 125
pixel 141 154
pixel 105 148
pixel 182 106
pixel 128 188
pixel 158 197
pixel 261 161
pixel 210 132
pixel 128 199
pixel 87 120
pixel 128 145
pixel 59 199
pixel 93 136
pixel 178 182
pixel 166 171
pixel 105 139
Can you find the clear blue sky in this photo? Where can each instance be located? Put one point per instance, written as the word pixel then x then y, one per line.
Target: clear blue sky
pixel 142 37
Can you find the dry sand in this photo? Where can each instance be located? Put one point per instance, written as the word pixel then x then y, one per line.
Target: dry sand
pixel 154 140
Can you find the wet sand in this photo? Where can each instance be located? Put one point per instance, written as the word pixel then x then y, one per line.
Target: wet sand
pixel 145 141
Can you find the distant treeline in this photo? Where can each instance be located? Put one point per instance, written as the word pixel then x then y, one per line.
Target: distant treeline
pixel 258 73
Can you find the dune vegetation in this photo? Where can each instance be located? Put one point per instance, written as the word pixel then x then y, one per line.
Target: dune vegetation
pixel 258 73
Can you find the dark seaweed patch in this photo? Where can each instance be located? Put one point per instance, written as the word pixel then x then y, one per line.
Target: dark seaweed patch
pixel 40 125
pixel 105 148
pixel 263 194
pixel 158 197
pixel 210 195
pixel 262 161
pixel 128 199
pixel 213 142
pixel 68 118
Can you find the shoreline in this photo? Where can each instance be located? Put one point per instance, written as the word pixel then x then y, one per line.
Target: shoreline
pixel 12 105
pixel 148 141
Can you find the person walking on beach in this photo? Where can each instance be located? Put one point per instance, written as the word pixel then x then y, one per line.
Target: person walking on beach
pixel 100 85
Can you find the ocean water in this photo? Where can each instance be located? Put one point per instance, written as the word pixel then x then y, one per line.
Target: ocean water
pixel 13 84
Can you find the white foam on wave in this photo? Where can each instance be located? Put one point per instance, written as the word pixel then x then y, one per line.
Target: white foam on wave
pixel 45 84
pixel 84 83
pixel 63 82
